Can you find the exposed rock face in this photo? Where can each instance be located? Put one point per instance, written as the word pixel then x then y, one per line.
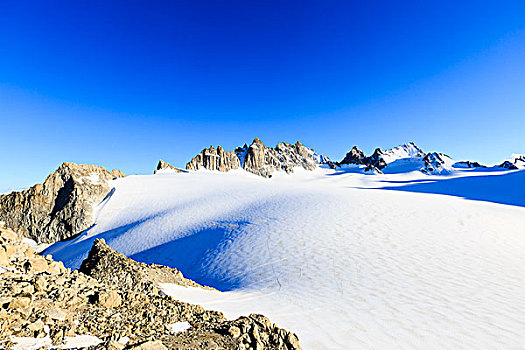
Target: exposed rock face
pixel 355 156
pixel 214 159
pixel 263 161
pixel 61 207
pixel 376 160
pixel 164 167
pixel 380 159
pixel 517 161
pixel 115 269
pixel 322 159
pixel 256 158
pixel 54 303
pixel 436 163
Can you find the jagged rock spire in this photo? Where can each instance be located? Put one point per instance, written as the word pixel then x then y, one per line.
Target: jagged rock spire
pixel 256 158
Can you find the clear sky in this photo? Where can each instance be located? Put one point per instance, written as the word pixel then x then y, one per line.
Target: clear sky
pixel 122 84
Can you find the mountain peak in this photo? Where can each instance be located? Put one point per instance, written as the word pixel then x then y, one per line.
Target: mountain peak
pixel 256 158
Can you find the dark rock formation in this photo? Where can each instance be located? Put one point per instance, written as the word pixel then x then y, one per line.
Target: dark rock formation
pixel 516 162
pixel 62 206
pixel 435 163
pixel 256 158
pixel 508 165
pixel 355 156
pixel 376 160
pixel 373 163
pixel 163 166
pixel 113 268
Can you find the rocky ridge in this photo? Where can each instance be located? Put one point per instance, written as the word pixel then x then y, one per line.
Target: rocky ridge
pixel 62 206
pixel 42 300
pixel 113 268
pixel 164 167
pixel 517 161
pixel 256 158
pixel 436 163
pixel 410 156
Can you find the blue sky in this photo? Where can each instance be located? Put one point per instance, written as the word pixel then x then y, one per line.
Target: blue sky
pixel 122 84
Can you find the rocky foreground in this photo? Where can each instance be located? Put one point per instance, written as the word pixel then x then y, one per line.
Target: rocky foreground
pixel 116 303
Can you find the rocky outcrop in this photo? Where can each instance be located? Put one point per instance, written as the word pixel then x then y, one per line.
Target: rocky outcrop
pixel 355 156
pixel 113 268
pixel 436 163
pixel 376 160
pixel 214 159
pixel 42 300
pixel 517 161
pixel 61 207
pixel 164 167
pixel 256 158
pixel 263 161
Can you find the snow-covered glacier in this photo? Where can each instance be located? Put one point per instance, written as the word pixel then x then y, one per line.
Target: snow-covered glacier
pixel 344 259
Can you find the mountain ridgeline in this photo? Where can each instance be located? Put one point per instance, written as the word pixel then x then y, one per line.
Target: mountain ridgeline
pixel 265 161
pixel 256 158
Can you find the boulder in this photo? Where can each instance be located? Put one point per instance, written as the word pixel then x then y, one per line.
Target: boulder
pixel 109 299
pixel 56 314
pixel 21 302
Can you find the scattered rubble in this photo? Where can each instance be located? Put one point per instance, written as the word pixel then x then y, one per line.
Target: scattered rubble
pixel 41 299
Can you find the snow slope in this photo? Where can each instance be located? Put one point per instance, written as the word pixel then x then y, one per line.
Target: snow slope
pixel 409 150
pixel 345 260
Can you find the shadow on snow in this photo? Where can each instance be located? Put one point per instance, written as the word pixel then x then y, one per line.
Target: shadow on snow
pixel 507 188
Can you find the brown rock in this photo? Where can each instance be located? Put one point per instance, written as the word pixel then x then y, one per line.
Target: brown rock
pixel 56 267
pixel 4 259
pixel 36 326
pixel 9 235
pixel 256 158
pixel 38 264
pixel 149 345
pixel 163 166
pixel 56 314
pixel 21 302
pixel 235 332
pixel 59 208
pixel 109 299
pixel 215 159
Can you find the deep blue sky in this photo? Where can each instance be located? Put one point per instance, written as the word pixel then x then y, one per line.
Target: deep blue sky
pixel 122 84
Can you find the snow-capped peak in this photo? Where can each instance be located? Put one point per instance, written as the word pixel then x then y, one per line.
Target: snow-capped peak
pixel 408 150
pixel 437 163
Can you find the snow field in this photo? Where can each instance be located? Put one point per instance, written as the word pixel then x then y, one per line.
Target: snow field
pixel 331 256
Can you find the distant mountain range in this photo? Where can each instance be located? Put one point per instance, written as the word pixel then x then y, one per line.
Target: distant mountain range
pixel 264 161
